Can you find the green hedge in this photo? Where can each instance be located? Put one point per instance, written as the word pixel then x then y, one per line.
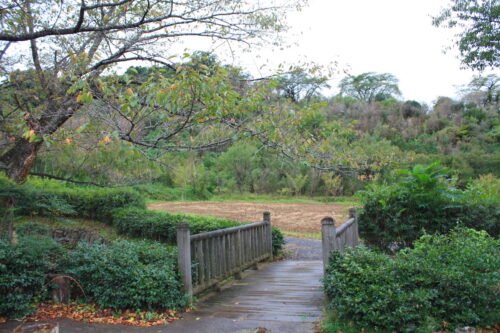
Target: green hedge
pixel 91 203
pixel 162 226
pixel 127 275
pixel 165 193
pixel 98 204
pixel 424 199
pixel 450 279
pixel 22 272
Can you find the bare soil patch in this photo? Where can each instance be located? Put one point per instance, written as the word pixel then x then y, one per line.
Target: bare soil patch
pixel 294 217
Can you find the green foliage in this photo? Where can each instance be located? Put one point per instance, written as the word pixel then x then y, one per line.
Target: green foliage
pixel 370 86
pixel 162 226
pixel 59 200
pixel 278 240
pixel 478 42
pixel 237 163
pixel 98 204
pixel 445 280
pixel 127 275
pixel 484 190
pixel 32 229
pixel 423 199
pixel 164 193
pixel 297 84
pixel 22 272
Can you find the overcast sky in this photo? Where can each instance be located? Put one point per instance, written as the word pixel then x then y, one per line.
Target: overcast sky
pixel 393 36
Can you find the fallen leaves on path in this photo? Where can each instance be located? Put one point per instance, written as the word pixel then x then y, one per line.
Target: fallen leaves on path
pixel 91 313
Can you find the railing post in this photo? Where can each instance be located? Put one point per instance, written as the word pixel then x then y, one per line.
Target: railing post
pixel 328 235
pixel 267 219
pixel 184 258
pixel 353 215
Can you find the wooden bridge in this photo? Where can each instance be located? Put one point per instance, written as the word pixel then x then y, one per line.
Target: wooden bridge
pixel 283 296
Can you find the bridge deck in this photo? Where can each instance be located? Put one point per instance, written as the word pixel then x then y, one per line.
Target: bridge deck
pixel 282 297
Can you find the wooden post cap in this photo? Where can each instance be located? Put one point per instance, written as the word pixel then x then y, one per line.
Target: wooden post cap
pixel 352 212
pixel 267 216
pixel 183 225
pixel 328 221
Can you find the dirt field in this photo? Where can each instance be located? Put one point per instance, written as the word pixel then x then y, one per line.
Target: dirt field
pixel 286 216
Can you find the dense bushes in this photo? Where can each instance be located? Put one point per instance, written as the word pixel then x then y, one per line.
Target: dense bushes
pixel 124 275
pixel 136 275
pixel 58 200
pixel 424 199
pixel 166 193
pixel 22 272
pixel 98 204
pixel 162 226
pixel 445 280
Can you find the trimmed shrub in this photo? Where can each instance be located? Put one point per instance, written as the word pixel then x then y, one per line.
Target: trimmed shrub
pixel 162 226
pixel 22 272
pixel 127 275
pixel 394 216
pixel 91 203
pixel 98 204
pixel 445 280
pixel 164 193
pixel 278 240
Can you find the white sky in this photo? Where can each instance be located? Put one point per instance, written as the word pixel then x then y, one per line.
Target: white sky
pixel 393 36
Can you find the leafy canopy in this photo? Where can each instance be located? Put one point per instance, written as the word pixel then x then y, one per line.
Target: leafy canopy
pixel 479 40
pixel 56 58
pixel 370 86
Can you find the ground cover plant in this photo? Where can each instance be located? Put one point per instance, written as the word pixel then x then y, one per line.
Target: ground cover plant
pixel 445 281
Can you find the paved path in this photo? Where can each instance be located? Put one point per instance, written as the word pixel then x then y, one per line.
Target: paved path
pixel 303 249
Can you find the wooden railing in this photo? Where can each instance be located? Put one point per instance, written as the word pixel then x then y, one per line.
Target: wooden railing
pixel 334 238
pixel 208 258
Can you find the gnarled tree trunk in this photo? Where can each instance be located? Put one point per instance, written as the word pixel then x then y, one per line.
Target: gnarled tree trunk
pixel 20 159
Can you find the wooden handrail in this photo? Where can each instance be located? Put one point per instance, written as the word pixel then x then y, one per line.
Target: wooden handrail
pixel 216 255
pixel 344 226
pixel 225 231
pixel 337 239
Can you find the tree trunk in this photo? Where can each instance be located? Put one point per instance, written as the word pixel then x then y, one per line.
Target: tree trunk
pixel 11 203
pixel 20 159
